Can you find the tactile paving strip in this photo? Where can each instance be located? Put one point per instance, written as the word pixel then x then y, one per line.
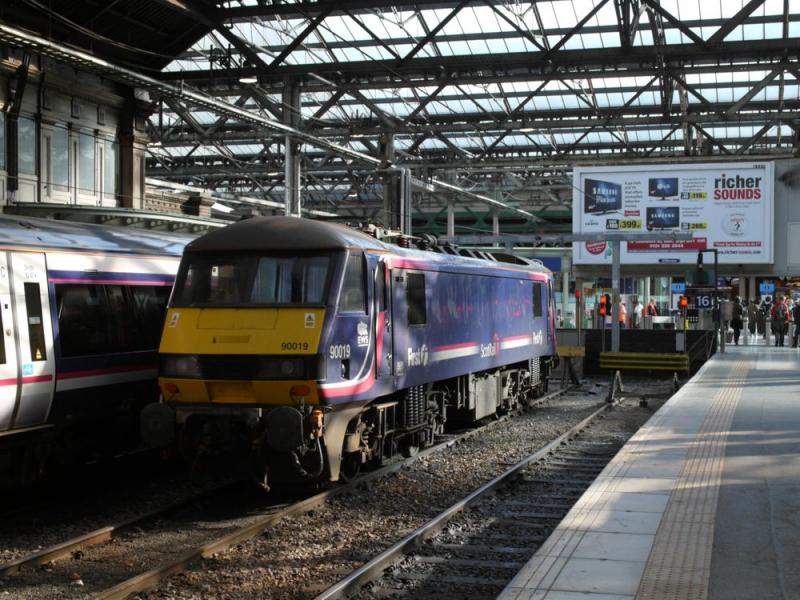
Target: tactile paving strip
pixel 679 564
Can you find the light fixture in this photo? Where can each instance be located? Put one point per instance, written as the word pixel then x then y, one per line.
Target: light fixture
pixel 527 130
pixel 248 79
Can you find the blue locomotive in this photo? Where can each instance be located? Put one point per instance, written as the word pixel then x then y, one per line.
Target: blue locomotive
pixel 320 348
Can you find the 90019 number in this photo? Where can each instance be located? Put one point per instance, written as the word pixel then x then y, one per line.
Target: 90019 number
pixel 340 351
pixel 294 345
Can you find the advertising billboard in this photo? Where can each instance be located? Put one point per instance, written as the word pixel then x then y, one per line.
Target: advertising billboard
pixel 727 206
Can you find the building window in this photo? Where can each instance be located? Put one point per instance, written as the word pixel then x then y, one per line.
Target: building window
pixel 26 145
pixel 111 169
pixel 415 298
pixel 86 164
pixel 60 159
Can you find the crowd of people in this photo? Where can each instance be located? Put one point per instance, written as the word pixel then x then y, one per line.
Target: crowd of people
pixel 781 312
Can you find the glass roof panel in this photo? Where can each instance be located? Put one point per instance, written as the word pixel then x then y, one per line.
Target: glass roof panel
pixel 341 39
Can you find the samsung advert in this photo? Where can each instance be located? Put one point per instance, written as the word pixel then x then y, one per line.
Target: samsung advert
pixel 725 206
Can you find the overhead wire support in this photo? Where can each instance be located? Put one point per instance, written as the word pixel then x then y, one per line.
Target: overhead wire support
pixel 73 56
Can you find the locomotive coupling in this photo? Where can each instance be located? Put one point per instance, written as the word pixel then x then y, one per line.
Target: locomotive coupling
pixel 157 425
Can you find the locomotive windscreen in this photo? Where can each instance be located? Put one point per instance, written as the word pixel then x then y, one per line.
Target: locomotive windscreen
pixel 243 280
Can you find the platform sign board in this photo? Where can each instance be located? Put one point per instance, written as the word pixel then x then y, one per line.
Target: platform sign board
pixel 765 288
pixel 727 206
pixel 678 288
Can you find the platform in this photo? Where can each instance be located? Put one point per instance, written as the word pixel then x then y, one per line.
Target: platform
pixel 703 502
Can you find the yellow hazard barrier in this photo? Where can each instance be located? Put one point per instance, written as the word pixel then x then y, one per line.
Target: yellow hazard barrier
pixel 644 361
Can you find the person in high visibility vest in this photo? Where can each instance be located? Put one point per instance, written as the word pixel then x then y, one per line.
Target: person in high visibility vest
pixel 623 314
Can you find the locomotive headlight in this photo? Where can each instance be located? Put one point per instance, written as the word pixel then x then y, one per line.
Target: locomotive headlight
pixel 182 366
pixel 288 368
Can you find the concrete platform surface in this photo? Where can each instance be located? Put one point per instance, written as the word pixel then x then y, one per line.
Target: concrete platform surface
pixel 702 503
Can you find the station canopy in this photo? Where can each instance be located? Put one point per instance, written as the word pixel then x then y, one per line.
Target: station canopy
pixel 501 97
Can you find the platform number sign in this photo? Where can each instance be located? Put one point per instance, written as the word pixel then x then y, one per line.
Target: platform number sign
pixel 704 301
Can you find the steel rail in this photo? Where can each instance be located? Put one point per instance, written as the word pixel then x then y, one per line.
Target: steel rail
pixel 101 535
pixel 375 567
pixel 153 577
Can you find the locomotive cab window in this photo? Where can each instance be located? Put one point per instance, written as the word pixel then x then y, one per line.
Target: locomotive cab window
pixel 538 292
pixel 239 280
pixel 353 298
pixel 380 286
pixel 415 298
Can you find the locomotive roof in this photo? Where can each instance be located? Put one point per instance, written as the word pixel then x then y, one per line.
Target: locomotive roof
pixel 30 232
pixel 264 234
pixel 283 233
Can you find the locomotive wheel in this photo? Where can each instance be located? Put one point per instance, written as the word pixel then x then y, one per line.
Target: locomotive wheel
pixel 408 450
pixel 350 468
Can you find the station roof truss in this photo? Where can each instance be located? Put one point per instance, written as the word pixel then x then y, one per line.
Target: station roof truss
pixel 501 97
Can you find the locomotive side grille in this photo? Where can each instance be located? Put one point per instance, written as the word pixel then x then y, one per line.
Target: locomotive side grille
pixel 413 412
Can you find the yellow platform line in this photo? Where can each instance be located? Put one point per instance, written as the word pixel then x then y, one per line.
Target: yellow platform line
pixel 679 565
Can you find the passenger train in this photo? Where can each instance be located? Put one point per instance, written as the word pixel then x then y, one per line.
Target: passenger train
pixel 81 311
pixel 317 348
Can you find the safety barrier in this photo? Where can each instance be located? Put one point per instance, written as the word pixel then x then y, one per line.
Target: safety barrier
pixel 644 361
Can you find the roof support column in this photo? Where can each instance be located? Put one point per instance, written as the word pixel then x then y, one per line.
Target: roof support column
pixel 132 148
pixel 495 225
pixel 451 219
pixel 450 177
pixel 396 189
pixel 291 117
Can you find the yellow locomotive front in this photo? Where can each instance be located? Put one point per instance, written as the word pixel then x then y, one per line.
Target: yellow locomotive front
pixel 245 330
pixel 241 355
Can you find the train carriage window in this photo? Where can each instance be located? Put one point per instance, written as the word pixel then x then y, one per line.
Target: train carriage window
pixel 353 298
pixel 33 305
pixel 149 309
pixel 125 329
pixel 538 291
pixel 2 342
pixel 82 320
pixel 415 298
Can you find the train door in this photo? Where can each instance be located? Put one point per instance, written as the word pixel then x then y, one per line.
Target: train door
pixel 30 304
pixel 9 378
pixel 383 323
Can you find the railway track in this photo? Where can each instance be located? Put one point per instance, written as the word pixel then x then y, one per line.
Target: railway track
pixel 476 546
pixel 89 552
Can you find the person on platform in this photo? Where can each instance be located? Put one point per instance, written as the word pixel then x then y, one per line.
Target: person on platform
pixel 780 320
pixel 650 310
pixel 764 310
pixel 623 314
pixel 796 319
pixel 737 321
pixel 752 316
pixel 637 313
